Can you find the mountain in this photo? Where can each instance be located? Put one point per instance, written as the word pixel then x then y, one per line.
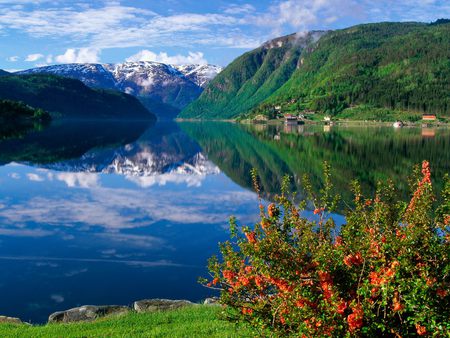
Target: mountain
pixel 71 99
pixel 386 66
pixel 91 74
pixel 163 89
pixel 152 159
pixel 144 153
pixel 3 72
pixel 251 78
pixel 201 75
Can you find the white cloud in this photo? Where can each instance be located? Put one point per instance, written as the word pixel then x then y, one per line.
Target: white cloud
pixel 301 15
pixel 14 58
pixel 147 55
pixel 35 177
pixel 82 180
pixel 239 9
pixel 57 298
pixel 34 57
pixel 81 55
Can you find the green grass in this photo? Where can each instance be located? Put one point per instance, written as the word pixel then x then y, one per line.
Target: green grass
pixel 195 321
pixel 378 114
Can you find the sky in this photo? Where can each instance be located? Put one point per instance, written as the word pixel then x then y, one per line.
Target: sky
pixel 41 32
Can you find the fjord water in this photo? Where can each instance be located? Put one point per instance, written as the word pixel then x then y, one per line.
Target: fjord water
pixel 109 213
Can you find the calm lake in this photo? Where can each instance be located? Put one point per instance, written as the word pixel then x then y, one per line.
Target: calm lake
pixel 115 212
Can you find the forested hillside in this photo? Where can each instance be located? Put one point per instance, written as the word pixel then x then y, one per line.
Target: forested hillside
pixel 69 98
pixel 401 66
pixel 251 78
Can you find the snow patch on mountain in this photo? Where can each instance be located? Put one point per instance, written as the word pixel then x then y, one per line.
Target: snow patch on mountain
pixel 199 74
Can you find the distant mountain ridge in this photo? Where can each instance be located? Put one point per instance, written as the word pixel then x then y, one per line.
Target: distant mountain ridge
pixel 391 66
pixel 163 89
pixel 71 99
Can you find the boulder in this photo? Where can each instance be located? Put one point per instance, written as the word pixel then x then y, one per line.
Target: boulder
pixel 12 320
pixel 211 301
pixel 153 305
pixel 86 313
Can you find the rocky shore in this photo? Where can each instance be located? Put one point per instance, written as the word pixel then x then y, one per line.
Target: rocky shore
pixel 87 313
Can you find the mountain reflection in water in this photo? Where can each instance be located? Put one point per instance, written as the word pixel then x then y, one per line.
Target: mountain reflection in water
pixel 110 213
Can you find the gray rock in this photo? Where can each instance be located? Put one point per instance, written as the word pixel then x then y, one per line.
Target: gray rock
pixel 211 301
pixel 153 305
pixel 87 313
pixel 12 320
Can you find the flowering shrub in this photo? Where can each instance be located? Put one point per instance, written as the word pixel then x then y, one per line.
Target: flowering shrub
pixel 385 273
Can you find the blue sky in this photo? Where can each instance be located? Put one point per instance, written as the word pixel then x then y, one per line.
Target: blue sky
pixel 40 32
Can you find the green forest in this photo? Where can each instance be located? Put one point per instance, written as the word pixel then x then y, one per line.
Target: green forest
pixel 399 67
pixel 71 99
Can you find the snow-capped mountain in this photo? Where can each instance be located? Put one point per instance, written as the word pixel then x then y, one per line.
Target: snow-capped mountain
pixel 147 161
pixel 91 74
pixel 163 87
pixel 200 74
pixel 159 81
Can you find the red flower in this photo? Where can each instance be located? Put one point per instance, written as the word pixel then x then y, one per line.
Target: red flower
pixel 316 211
pixel 342 307
pixel 247 311
pixel 272 210
pixel 398 306
pixel 355 320
pixel 300 303
pixel 265 224
pixel 441 292
pixel 447 220
pixel 421 330
pixel 244 281
pixel 351 260
pixel 259 281
pixel 228 275
pixel 251 237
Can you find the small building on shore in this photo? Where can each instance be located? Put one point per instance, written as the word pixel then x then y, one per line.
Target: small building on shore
pixel 429 117
pixel 290 119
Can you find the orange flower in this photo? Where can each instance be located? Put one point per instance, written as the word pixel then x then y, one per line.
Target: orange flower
pixel 247 311
pixel 421 330
pixel 398 306
pixel 259 281
pixel 300 303
pixel 447 220
pixel 228 275
pixel 342 307
pixel 251 237
pixel 351 260
pixel 244 281
pixel 272 210
pixel 265 223
pixel 355 320
pixel 441 292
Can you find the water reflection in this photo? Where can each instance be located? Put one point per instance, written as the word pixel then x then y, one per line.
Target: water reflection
pixel 100 214
pixel 109 219
pixel 369 153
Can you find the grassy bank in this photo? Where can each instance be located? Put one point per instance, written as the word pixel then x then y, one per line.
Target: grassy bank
pixel 196 321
